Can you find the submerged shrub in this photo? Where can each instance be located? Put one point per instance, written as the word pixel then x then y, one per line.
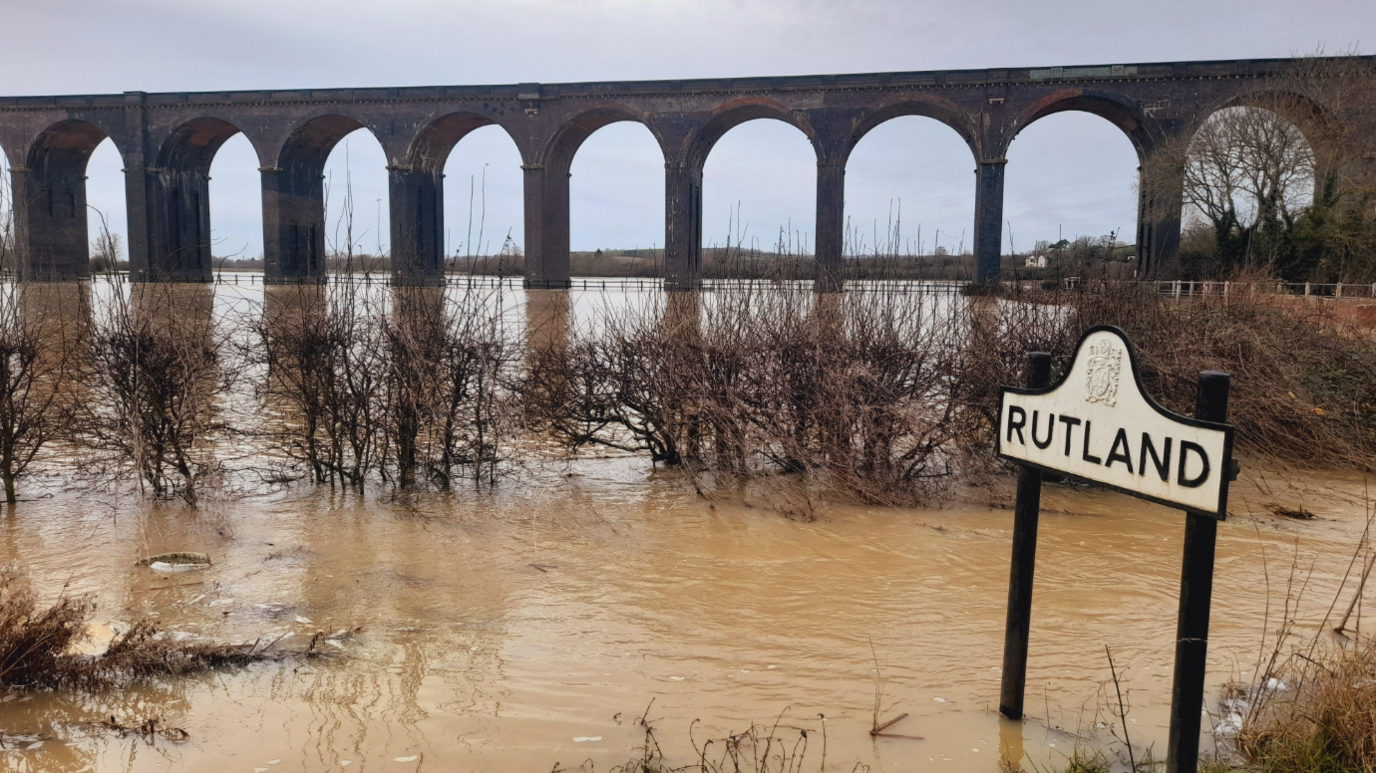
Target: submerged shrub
pixel 153 376
pixel 854 390
pixel 404 385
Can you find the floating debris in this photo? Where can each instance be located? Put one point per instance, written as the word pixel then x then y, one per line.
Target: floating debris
pixel 182 561
pixel 1298 513
pixel 96 640
pixel 148 729
pixel 10 742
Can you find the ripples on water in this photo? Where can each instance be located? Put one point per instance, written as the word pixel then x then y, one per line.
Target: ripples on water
pixel 499 629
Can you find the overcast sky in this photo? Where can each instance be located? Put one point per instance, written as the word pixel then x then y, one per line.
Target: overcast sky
pixel 1069 173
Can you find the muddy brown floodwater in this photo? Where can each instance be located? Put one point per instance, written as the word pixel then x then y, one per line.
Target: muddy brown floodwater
pixel 513 631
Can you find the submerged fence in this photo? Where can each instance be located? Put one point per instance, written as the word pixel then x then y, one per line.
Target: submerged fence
pixel 1337 291
pixel 1173 289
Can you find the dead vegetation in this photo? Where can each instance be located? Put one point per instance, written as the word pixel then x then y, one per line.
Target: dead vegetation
pixel 888 397
pixel 1318 716
pixel 36 645
pixel 879 395
pixel 1304 381
pixel 782 746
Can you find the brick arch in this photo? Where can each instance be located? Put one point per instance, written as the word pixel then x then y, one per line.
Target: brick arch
pixel 293 194
pixel 1308 117
pixel 926 107
pixel 307 147
pixel 1118 110
pixel 192 145
pixel 178 200
pixel 573 132
pixel 431 147
pixel 1293 106
pixel 732 114
pixel 1305 116
pixel 54 207
pixel 66 143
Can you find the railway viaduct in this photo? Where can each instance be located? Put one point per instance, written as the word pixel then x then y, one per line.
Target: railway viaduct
pixel 168 141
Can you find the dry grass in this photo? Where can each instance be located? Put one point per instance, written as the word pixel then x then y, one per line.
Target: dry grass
pixel 1323 721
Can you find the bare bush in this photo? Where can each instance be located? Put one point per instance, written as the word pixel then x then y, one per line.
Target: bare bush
pixel 446 403
pixel 153 376
pixel 852 390
pixel 406 386
pixel 321 351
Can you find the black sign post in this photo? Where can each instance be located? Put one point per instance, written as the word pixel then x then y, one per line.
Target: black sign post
pixel 1181 461
pixel 1024 564
pixel 1196 595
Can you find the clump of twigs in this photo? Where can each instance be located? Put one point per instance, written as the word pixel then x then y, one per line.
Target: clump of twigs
pixel 36 645
pixel 776 747
pixel 148 729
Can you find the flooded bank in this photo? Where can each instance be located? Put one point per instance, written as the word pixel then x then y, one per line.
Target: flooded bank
pixel 532 626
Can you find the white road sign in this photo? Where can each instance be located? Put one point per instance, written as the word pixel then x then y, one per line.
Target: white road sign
pixel 1099 424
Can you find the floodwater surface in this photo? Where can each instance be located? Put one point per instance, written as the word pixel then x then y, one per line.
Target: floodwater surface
pixel 534 626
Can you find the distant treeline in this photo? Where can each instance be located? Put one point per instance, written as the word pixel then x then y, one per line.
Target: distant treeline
pixel 716 264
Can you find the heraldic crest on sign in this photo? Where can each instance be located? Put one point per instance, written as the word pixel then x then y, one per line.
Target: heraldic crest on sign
pixel 1105 362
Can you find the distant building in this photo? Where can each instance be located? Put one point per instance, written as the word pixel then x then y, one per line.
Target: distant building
pixel 1036 261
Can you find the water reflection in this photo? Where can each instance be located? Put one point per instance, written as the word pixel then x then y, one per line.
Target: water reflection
pixel 548 314
pixel 1010 746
